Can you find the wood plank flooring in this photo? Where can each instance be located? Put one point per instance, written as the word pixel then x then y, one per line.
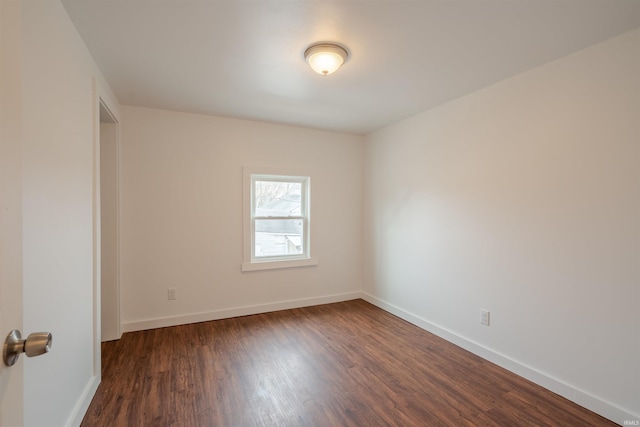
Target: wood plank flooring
pixel 343 364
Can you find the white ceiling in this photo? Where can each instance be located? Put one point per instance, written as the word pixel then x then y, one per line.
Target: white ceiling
pixel 244 58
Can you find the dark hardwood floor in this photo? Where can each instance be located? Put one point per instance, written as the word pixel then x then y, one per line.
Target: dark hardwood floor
pixel 344 364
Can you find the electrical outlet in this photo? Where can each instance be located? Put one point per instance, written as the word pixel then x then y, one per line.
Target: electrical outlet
pixel 171 293
pixel 484 317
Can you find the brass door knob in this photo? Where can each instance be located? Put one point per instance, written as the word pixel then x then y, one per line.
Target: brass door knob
pixel 36 344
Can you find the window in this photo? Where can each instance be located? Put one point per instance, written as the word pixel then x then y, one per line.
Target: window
pixel 279 216
pixel 276 221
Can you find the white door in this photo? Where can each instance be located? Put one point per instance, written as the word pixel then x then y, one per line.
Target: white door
pixel 49 223
pixel 11 379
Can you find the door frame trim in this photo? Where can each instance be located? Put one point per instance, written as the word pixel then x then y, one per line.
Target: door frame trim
pixel 101 96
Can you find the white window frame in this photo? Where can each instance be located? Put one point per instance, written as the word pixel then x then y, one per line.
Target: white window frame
pixel 250 176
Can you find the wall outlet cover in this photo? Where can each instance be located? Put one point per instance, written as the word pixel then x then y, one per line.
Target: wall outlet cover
pixel 485 317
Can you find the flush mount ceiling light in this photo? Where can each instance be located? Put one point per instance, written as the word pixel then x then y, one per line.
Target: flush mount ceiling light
pixel 325 58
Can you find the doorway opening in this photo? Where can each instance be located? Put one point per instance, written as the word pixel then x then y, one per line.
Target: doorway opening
pixel 109 226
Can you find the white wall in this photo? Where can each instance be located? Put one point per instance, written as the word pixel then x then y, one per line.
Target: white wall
pixel 181 216
pixel 59 113
pixel 524 199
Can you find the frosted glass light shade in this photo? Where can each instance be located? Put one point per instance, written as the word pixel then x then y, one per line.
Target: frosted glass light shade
pixel 325 58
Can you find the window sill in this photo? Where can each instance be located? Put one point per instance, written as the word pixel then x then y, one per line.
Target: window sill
pixel 271 265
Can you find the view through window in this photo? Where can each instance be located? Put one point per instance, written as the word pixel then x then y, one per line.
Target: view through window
pixel 280 217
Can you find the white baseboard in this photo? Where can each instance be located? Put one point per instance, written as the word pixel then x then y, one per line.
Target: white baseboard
pixel 79 411
pixel 164 322
pixel 582 398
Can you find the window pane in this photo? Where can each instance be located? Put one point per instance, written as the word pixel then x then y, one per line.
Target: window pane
pixel 277 198
pixel 278 237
